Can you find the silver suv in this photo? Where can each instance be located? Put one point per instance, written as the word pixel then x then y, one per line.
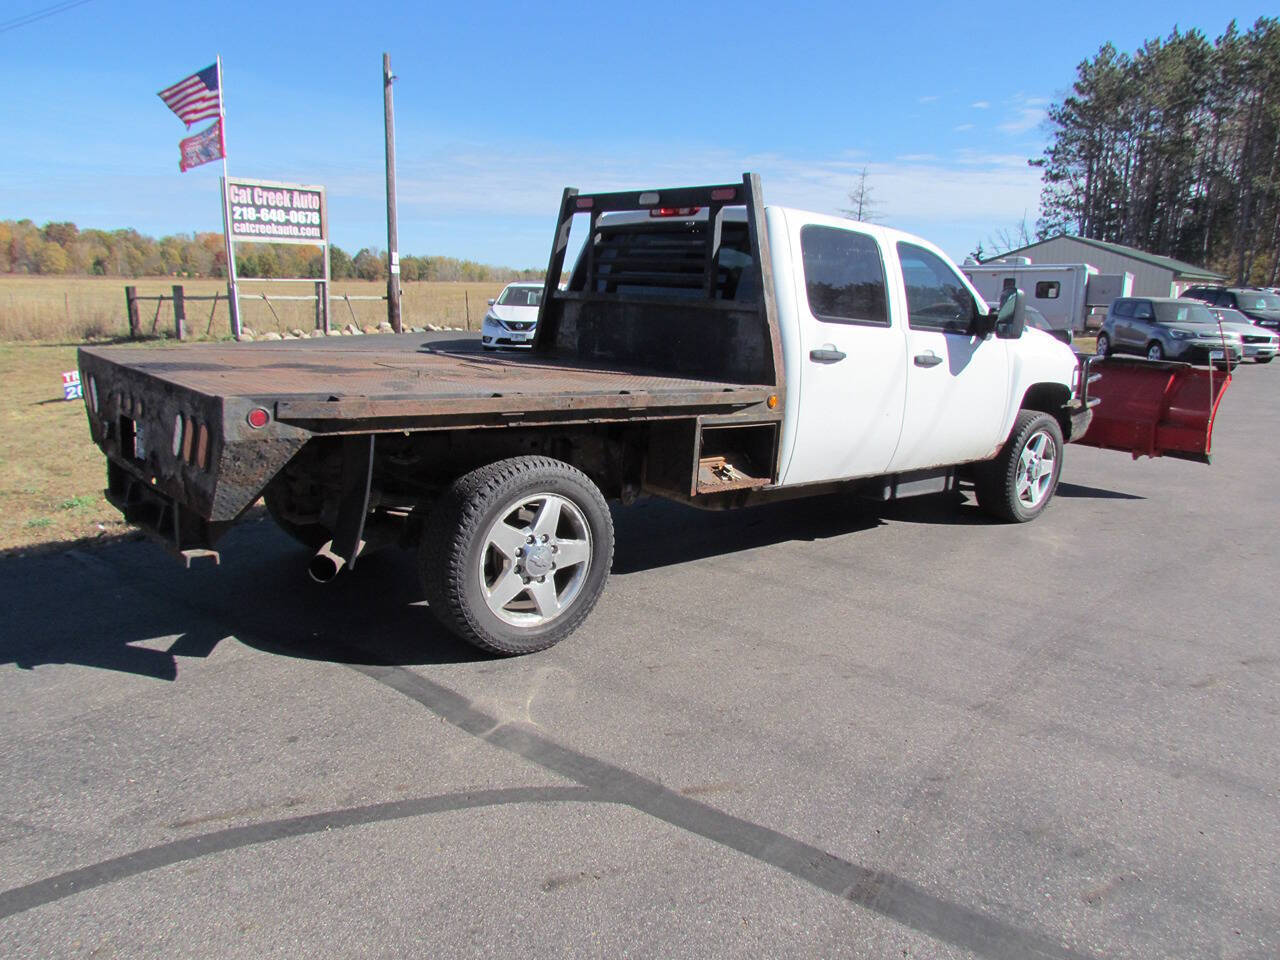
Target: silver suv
pixel 1162 328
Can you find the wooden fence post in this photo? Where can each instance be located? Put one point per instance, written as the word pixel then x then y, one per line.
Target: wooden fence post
pixel 179 311
pixel 131 305
pixel 322 306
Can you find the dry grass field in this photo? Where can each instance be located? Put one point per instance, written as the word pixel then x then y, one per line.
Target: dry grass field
pixel 75 309
pixel 51 474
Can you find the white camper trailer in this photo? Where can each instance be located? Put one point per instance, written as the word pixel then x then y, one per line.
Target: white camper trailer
pixel 1066 293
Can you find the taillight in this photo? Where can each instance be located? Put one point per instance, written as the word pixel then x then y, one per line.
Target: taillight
pixel 258 418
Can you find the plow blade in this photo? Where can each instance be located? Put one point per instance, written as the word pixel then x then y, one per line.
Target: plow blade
pixel 1154 408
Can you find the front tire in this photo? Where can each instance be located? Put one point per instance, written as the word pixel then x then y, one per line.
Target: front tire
pixel 1104 345
pixel 1019 483
pixel 516 554
pixel 1264 359
pixel 1155 351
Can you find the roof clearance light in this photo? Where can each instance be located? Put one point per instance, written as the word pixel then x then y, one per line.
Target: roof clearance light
pixel 673 211
pixel 586 203
pixel 649 199
pixel 724 193
pixel 258 418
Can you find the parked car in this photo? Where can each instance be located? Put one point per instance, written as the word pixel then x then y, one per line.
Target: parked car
pixel 1162 328
pixel 1259 342
pixel 512 318
pixel 1260 306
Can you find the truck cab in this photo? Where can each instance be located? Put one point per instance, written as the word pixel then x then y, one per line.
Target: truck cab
pixel 891 363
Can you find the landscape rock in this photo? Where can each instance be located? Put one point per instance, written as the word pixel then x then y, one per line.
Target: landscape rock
pixel 297 332
pixel 318 333
pixel 370 329
pixel 384 327
pixel 246 336
pixel 434 328
pixel 271 335
pixel 335 333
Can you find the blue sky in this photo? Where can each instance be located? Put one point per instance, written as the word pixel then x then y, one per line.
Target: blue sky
pixel 499 106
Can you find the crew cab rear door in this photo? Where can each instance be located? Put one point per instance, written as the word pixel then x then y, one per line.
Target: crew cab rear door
pixel 850 355
pixel 957 383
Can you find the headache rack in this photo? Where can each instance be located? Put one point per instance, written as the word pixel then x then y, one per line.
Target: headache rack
pixel 682 290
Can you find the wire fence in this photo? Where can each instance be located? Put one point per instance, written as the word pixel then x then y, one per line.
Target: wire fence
pixel 180 313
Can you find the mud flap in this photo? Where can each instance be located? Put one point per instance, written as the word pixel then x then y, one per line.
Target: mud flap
pixel 1154 408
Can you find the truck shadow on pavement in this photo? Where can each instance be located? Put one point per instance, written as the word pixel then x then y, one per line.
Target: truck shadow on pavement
pixel 128 607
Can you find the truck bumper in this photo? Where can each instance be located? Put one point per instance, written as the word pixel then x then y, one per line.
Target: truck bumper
pixel 179 529
pixel 1081 416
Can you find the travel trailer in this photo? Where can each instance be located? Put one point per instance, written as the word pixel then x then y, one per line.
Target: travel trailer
pixel 1069 295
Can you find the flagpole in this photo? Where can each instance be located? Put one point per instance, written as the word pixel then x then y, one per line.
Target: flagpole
pixel 233 286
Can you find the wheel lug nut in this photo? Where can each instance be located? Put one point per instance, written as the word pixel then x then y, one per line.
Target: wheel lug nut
pixel 545 537
pixel 554 548
pixel 542 579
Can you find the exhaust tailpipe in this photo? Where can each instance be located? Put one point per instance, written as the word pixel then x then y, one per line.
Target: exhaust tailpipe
pixel 325 565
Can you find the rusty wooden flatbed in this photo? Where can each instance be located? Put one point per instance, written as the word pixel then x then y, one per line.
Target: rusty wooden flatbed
pixel 390 382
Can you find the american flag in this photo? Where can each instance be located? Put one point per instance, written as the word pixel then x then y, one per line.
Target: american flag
pixel 195 98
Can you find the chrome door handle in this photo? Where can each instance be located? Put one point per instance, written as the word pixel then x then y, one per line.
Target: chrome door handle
pixel 826 356
pixel 927 359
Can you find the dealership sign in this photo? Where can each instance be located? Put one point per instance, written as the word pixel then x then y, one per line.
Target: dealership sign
pixel 262 211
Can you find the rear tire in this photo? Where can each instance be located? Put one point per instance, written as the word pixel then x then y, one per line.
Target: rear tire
pixel 1155 351
pixel 488 582
pixel 1019 483
pixel 1264 359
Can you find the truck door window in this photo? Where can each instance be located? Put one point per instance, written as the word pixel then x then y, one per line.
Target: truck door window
pixel 1047 290
pixel 936 299
pixel 843 276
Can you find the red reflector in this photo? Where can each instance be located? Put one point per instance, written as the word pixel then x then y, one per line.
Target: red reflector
pixel 258 418
pixel 724 193
pixel 673 211
pixel 586 203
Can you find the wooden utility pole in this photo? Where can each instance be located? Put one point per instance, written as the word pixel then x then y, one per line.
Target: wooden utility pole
pixel 393 238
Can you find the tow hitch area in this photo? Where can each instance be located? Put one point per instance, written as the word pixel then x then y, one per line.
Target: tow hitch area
pixel 1154 408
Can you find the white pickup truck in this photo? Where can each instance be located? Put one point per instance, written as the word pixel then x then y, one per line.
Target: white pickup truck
pixel 703 348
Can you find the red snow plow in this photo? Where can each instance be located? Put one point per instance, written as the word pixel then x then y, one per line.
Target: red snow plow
pixel 1153 408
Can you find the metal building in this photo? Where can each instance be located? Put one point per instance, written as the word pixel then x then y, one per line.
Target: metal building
pixel 1153 275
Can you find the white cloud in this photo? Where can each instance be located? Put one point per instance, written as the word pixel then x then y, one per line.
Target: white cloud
pixel 485 202
pixel 1025 114
pixel 962 127
pixel 980 104
pixel 932 98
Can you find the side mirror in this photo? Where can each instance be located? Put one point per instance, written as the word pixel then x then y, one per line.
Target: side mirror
pixel 491 301
pixel 1011 318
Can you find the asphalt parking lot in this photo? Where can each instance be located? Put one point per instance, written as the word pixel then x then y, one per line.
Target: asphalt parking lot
pixel 813 729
